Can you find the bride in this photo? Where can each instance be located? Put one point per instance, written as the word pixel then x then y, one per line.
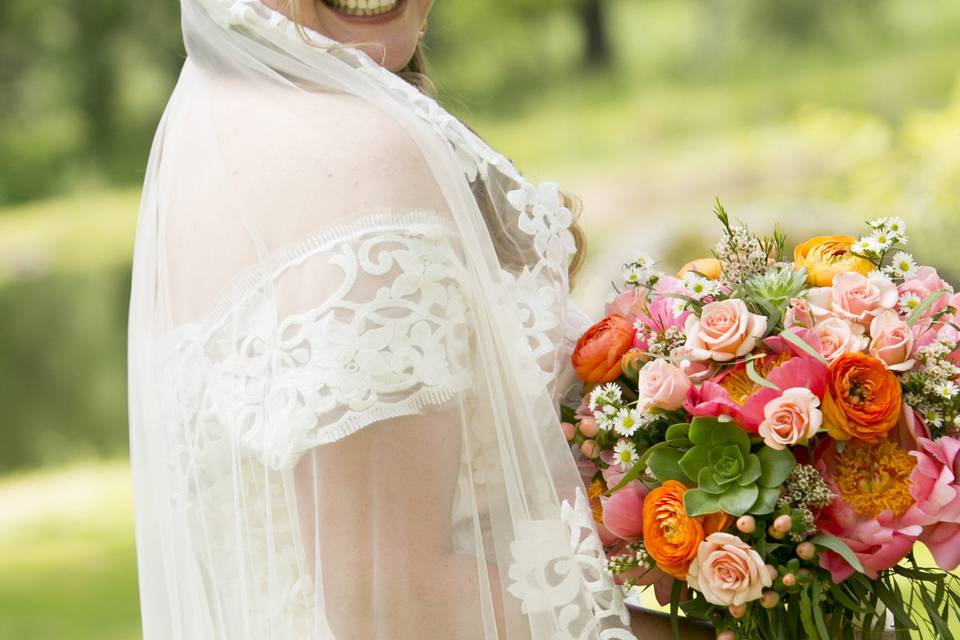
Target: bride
pixel 349 333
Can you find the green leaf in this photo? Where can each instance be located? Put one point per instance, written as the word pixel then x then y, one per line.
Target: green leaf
pixel 737 500
pixel 766 501
pixel 730 433
pixel 924 306
pixel 757 378
pixel 817 613
pixel 664 464
pixel 801 344
pixel 838 546
pixel 700 429
pixel 695 459
pixel 678 431
pixel 751 470
pixel 706 482
pixel 891 602
pixel 697 502
pixel 775 466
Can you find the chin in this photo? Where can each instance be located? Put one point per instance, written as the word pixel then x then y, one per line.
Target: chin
pixel 387 30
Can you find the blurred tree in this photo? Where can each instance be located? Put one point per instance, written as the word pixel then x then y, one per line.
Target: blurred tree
pixel 597 46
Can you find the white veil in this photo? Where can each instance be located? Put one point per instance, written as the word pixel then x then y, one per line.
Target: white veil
pixel 348 327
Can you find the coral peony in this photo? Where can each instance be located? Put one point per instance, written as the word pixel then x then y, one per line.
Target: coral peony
pixel 728 571
pixel 935 485
pixel 623 511
pixel 871 484
pixel 736 395
pixel 826 256
pixel 725 330
pixel 596 358
pixel 862 400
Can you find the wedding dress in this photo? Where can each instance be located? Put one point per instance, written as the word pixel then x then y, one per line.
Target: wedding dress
pixel 348 332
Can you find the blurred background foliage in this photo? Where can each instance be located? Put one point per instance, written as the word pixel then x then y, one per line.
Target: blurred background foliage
pixel 816 113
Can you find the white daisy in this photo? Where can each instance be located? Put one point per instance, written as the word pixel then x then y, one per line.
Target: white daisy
pixel 643 259
pixel 678 306
pixel 628 421
pixel 858 248
pixel 877 223
pixel 896 226
pixel 908 302
pixel 903 265
pixel 946 390
pixel 632 274
pixel 697 286
pixel 625 454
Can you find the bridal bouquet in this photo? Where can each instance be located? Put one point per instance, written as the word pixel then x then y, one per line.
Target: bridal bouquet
pixel 769 437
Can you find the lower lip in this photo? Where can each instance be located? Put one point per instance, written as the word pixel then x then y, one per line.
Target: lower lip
pixel 374 19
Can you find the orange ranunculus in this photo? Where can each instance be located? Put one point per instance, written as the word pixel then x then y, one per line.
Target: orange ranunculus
pixel 596 358
pixel 670 536
pixel 716 522
pixel 862 399
pixel 709 267
pixel 826 256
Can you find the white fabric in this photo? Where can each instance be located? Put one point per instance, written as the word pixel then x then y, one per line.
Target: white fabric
pixel 348 331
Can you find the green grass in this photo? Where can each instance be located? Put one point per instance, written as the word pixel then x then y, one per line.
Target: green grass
pixel 67 555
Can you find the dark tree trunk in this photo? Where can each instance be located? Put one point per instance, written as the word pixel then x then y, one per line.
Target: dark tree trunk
pixel 593 17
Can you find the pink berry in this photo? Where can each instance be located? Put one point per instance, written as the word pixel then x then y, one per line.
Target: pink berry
pixel 589 428
pixel 590 449
pixel 775 533
pixel 737 610
pixel 772 571
pixel 806 551
pixel 727 635
pixel 569 431
pixel 783 524
pixel 769 599
pixel 789 580
pixel 746 524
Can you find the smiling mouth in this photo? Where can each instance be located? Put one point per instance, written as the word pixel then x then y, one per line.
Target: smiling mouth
pixel 363 7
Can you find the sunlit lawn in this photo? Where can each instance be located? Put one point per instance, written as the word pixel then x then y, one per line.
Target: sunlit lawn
pixel 67 560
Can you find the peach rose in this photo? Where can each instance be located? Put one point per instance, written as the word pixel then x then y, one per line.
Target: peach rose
pixel 708 267
pixel 891 341
pixel 596 358
pixel 856 297
pixel 724 331
pixel 662 385
pixel 838 336
pixel 863 398
pixel 727 571
pixel 791 418
pixel 824 257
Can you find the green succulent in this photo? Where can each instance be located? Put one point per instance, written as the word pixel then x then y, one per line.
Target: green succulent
pixel 778 284
pixel 716 457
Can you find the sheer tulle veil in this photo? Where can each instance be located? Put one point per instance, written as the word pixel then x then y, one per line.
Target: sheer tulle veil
pixel 348 332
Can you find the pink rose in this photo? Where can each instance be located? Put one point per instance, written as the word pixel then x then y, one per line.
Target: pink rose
pixel 623 511
pixel 791 418
pixel 629 304
pixel 662 385
pixel 838 336
pixel 803 315
pixel 935 484
pixel 856 297
pixel 891 341
pixel 725 330
pixel 727 571
pixel 926 282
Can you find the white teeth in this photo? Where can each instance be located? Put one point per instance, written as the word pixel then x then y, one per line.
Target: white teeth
pixel 363 7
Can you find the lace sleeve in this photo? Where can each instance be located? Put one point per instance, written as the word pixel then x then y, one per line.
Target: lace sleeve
pixel 362 323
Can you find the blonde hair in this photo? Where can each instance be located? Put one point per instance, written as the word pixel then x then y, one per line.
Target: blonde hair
pixel 416 72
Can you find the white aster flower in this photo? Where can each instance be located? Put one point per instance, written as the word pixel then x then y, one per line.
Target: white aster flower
pixel 678 306
pixel 632 274
pixel 875 243
pixel 896 226
pixel 877 223
pixel 628 421
pixel 625 454
pixel 858 248
pixel 643 259
pixel 697 286
pixel 946 390
pixel 908 302
pixel 903 265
